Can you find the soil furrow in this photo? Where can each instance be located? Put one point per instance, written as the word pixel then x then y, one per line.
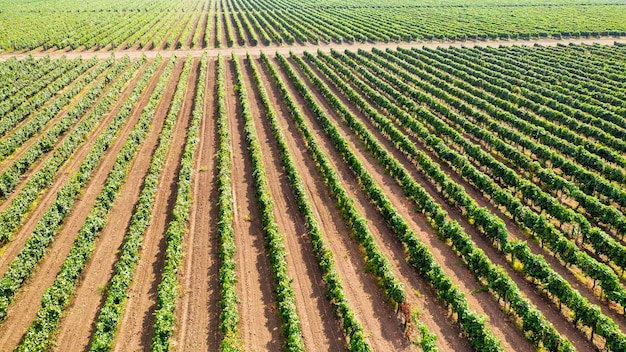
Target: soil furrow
pixel 259 325
pixel 198 310
pixel 318 322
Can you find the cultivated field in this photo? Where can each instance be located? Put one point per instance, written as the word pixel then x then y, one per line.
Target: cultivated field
pixel 96 25
pixel 449 199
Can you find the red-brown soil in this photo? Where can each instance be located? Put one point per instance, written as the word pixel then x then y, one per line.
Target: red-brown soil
pixel 259 323
pixel 198 310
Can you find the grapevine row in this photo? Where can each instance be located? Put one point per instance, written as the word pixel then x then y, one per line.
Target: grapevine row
pixel 472 324
pixel 58 296
pixel 534 265
pixel 500 283
pixel 167 291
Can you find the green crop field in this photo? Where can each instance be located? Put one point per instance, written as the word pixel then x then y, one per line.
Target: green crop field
pixel 318 175
pixel 168 24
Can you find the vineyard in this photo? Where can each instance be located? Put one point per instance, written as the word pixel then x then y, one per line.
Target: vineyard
pixel 450 199
pixel 72 25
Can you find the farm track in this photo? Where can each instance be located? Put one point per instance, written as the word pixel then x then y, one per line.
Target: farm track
pixel 135 328
pixel 301 48
pixel 508 330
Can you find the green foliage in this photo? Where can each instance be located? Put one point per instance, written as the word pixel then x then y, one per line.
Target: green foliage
pixel 57 297
pixel 419 255
pixel 45 230
pixel 488 224
pixel 113 308
pixel 229 316
pixel 99 24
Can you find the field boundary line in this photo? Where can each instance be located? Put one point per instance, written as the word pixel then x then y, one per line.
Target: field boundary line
pixel 300 49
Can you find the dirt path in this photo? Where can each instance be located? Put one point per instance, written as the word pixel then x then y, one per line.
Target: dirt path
pixel 546 307
pixel 320 328
pixel 299 49
pixel 377 317
pixel 259 325
pixel 135 330
pixel 28 299
pixel 198 310
pixel 481 302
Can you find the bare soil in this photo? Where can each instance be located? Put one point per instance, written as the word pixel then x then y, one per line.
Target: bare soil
pixel 198 310
pixel 259 325
pixel 320 328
